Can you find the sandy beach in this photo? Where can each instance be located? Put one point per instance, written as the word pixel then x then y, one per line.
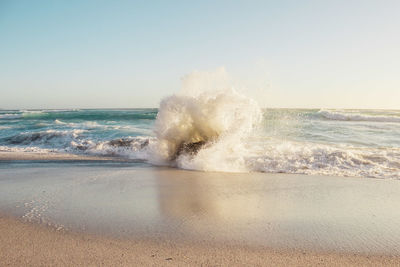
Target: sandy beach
pixel 111 214
pixel 199 133
pixel 23 244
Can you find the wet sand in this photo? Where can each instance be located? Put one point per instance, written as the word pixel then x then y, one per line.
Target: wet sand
pixel 134 214
pixel 53 156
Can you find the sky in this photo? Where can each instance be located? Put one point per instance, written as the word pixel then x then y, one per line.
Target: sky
pixel 131 54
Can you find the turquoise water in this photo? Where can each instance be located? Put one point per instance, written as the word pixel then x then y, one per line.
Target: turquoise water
pixel 71 130
pixel 309 141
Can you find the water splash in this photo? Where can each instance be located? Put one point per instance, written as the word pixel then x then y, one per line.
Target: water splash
pixel 205 125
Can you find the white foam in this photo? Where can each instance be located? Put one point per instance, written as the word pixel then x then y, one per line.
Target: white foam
pixel 353 116
pixel 55 137
pixel 10 116
pixel 202 112
pixel 225 121
pixel 85 124
pixel 308 158
pixel 59 122
pixel 25 149
pixel 136 147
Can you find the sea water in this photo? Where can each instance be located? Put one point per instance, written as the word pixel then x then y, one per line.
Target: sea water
pixel 236 136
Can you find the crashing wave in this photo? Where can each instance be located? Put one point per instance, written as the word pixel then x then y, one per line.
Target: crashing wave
pixel 10 116
pixel 44 137
pixel 318 159
pixel 349 116
pixel 208 126
pixel 131 147
pixel 204 128
pixel 75 141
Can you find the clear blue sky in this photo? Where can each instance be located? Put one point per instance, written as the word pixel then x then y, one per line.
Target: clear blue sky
pixel 65 54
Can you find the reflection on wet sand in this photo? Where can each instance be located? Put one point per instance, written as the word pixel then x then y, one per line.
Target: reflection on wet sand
pixel 255 208
pixel 281 210
pixel 276 210
pixel 212 197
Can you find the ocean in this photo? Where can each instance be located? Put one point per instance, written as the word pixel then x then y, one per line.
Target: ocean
pixel 216 136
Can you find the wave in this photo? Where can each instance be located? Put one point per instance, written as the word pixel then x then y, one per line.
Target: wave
pixel 318 159
pixel 53 137
pixel 204 128
pixel 350 116
pixel 199 128
pixel 93 125
pixel 251 156
pixel 225 153
pixel 86 124
pixel 92 115
pixel 209 126
pixel 215 129
pixel 130 147
pixel 10 116
pixel 75 141
pixel 25 149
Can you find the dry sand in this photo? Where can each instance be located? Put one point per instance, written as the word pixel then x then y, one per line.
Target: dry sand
pixel 24 244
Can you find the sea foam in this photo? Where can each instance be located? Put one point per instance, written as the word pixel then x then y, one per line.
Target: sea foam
pixel 216 120
pixel 209 126
pixel 354 116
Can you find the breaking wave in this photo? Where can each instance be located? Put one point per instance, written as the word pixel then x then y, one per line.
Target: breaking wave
pixel 76 141
pixel 73 114
pixel 204 128
pixel 9 116
pixel 354 116
pixel 209 126
pixel 49 137
pixel 319 159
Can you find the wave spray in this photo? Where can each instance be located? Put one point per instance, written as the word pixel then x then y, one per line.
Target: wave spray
pixel 205 125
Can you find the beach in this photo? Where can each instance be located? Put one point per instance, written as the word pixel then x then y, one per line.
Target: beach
pixel 199 133
pixel 25 244
pixel 83 212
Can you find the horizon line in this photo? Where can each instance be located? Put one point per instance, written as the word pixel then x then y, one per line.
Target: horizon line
pixel 126 108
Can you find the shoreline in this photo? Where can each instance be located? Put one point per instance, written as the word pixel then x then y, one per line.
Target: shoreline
pixel 52 156
pixel 23 243
pixel 113 214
